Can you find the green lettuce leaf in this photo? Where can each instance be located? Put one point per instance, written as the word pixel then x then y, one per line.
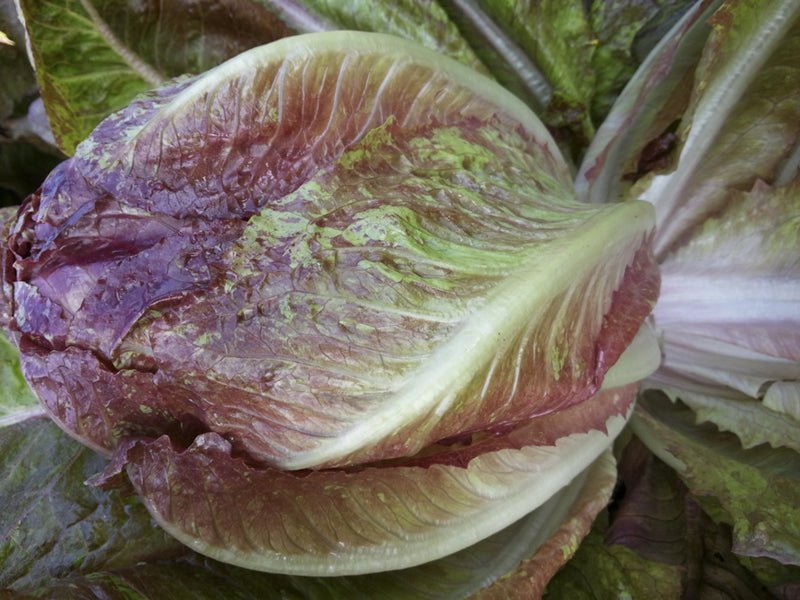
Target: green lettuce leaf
pixel 52 524
pixel 93 57
pixel 17 402
pixel 752 420
pixel 756 491
pixel 625 32
pixel 555 40
pixel 602 571
pixel 656 541
pixel 424 22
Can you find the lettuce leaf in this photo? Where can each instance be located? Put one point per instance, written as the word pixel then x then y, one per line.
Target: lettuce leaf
pixel 383 517
pixel 655 540
pixel 330 251
pixel 456 576
pixel 92 57
pixel 52 523
pixel 755 491
pixel 16 399
pixel 353 279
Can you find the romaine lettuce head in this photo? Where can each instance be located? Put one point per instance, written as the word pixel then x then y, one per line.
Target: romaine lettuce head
pixel 332 306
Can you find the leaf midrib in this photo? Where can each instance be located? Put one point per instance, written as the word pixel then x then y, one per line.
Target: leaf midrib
pixel 139 66
pixel 517 299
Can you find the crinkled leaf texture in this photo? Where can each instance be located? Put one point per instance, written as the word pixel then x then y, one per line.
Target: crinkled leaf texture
pixel 332 250
pixel 52 524
pixel 93 57
pixel 756 491
pixel 454 577
pixel 63 538
pixel 335 522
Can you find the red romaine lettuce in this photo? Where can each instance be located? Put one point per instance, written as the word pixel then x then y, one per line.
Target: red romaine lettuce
pixel 333 250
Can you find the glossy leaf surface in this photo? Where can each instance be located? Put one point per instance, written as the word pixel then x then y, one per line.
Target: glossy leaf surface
pixel 380 253
pixel 336 522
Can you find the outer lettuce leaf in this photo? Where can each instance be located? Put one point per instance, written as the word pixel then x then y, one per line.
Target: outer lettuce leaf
pixel 93 57
pixel 421 21
pixel 649 514
pixel 640 554
pixel 568 60
pixel 52 524
pixel 380 253
pixel 555 37
pixel 454 577
pixel 17 402
pixel 625 32
pixel 337 522
pixel 661 522
pixel 601 571
pixel 784 397
pixel 298 15
pixel 659 543
pixel 783 581
pixel 749 418
pixel 756 491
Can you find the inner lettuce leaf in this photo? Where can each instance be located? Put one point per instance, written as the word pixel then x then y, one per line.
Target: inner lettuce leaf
pixel 741 123
pixel 729 311
pixel 333 249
